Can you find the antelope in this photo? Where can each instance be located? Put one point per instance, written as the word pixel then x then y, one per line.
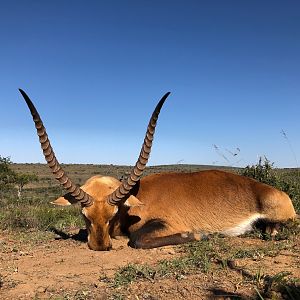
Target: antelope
pixel 165 208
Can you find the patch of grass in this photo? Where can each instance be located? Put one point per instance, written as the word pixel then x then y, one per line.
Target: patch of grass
pixel 40 217
pixel 74 295
pixel 117 296
pixel 177 268
pixel 34 211
pixel 255 252
pixel 197 257
pixel 132 272
pixel 258 277
pixel 278 286
pixel 289 230
pixel 212 256
pixel 244 253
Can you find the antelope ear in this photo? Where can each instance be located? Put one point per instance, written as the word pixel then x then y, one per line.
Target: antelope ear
pixel 61 201
pixel 133 201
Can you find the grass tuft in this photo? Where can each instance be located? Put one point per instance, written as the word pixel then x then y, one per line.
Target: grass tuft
pixel 131 273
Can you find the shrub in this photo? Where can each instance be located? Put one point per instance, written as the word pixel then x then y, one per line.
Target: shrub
pixel 265 172
pixel 262 172
pixel 7 175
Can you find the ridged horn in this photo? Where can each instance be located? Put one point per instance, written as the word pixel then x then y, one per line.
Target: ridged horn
pixel 124 189
pixel 84 198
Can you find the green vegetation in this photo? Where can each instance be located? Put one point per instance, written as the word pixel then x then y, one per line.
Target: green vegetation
pixel 198 257
pixel 9 178
pixel 22 179
pixel 212 257
pixel 7 175
pixel 203 256
pixel 29 207
pixel 131 273
pixel 285 180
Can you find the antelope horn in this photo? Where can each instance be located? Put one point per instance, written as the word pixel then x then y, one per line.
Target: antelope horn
pixel 80 195
pixel 124 189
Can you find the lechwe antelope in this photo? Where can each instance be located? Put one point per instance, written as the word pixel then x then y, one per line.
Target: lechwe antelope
pixel 166 208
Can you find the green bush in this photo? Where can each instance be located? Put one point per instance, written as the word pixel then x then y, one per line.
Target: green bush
pixel 288 182
pixel 7 176
pixel 263 171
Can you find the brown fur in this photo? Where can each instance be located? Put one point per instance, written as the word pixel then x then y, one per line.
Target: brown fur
pixel 180 207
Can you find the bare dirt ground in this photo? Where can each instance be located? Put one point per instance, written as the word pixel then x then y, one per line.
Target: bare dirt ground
pixel 53 268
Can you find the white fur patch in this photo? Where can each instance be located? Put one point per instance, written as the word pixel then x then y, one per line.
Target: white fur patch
pixel 243 227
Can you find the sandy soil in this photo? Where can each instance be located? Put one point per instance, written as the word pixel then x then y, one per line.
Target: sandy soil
pixel 67 269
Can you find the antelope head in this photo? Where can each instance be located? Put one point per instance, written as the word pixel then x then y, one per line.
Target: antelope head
pixel 101 196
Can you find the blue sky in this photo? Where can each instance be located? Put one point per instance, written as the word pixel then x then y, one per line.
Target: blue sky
pixel 96 69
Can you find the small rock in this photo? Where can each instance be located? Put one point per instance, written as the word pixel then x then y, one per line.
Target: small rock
pixel 41 289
